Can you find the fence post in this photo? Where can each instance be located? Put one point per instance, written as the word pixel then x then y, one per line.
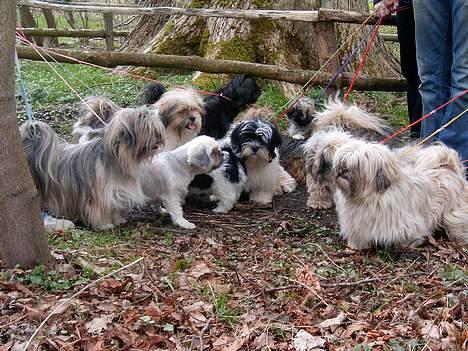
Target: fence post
pixel 109 30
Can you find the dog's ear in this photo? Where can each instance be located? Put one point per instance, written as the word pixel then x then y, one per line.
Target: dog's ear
pixel 324 165
pixel 382 180
pixel 198 157
pixel 275 141
pixel 235 138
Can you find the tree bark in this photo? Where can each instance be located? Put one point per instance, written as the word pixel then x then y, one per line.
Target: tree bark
pixel 22 238
pixel 50 20
pixel 288 44
pixel 27 21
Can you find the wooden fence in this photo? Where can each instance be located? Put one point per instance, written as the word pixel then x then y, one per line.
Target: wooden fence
pixel 109 59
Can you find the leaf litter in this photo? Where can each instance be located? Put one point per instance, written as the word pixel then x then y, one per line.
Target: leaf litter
pixel 253 279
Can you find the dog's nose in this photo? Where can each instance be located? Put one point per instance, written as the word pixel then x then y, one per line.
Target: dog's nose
pixel 254 148
pixel 192 119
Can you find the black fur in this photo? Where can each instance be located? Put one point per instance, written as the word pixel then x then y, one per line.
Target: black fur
pixel 296 115
pixel 220 111
pixel 202 181
pixel 255 132
pixel 151 93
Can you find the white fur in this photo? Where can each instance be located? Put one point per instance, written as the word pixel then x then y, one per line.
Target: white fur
pixel 416 200
pixel 167 178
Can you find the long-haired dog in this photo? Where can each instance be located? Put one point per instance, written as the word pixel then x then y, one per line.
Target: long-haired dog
pixel 386 201
pixel 166 180
pixel 319 151
pixel 300 118
pixel 181 112
pixel 333 127
pixel 87 119
pixel 285 182
pixel 151 93
pixel 96 182
pixel 222 108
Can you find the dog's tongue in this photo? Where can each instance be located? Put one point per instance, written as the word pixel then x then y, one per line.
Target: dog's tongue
pixel 190 126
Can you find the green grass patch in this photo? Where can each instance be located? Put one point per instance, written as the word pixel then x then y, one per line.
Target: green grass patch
pixel 224 312
pixel 52 280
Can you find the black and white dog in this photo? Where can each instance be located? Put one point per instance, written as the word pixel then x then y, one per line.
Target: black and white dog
pixel 251 165
pixel 151 93
pixel 229 101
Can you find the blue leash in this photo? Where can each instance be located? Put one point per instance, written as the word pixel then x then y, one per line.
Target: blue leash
pixel 346 63
pixel 22 88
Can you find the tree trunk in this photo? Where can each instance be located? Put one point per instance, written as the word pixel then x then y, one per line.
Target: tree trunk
pixel 22 238
pixel 50 19
pixel 287 44
pixel 27 21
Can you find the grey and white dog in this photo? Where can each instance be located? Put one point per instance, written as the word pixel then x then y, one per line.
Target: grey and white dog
pixel 166 179
pixel 96 182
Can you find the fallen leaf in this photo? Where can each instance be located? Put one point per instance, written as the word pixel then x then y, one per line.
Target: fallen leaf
pixel 303 341
pixel 98 324
pixel 200 270
pixel 333 322
pixel 430 330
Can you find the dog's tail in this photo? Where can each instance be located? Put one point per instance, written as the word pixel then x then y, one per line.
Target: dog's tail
pixel 42 148
pixel 350 118
pixel 151 93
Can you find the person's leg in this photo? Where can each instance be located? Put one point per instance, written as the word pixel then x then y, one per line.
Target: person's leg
pixel 409 67
pixel 456 135
pixel 434 54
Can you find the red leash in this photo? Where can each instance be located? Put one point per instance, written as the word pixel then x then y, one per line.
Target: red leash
pixel 425 116
pixel 363 60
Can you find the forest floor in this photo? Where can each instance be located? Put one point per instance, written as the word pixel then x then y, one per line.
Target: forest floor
pixel 257 278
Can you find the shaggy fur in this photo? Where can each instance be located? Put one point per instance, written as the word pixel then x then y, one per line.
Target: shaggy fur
pixel 96 182
pixel 285 183
pixel 319 151
pixel 220 111
pixel 333 127
pixel 385 201
pixel 300 118
pixel 181 112
pixel 167 178
pixel 151 93
pixel 87 119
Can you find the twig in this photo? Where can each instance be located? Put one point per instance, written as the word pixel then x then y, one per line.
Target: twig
pixel 76 295
pixel 203 332
pixel 14 321
pixel 311 290
pixel 348 284
pixel 166 280
pixel 328 257
pixel 278 288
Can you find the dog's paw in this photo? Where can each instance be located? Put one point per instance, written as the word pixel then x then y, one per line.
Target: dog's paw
pixel 220 209
pixel 298 137
pixel 319 204
pixel 261 198
pixel 183 223
pixel 289 187
pixel 104 226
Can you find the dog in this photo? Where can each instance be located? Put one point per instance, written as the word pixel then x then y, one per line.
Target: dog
pixel 300 118
pixel 87 119
pixel 181 112
pixel 96 182
pixel 227 102
pixel 384 200
pixel 151 93
pixel 166 180
pixel 318 154
pixel 333 127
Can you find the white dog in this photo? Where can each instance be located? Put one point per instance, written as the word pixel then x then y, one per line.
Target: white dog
pixel 167 178
pixel 385 200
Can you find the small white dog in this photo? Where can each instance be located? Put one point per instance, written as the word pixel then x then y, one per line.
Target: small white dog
pixel 389 201
pixel 165 181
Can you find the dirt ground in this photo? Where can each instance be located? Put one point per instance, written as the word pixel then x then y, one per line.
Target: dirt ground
pixel 272 278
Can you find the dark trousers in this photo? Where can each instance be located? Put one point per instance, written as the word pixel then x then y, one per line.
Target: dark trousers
pixel 409 67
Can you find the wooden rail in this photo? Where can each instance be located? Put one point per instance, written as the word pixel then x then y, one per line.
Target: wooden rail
pixel 320 15
pixel 75 33
pixel 196 63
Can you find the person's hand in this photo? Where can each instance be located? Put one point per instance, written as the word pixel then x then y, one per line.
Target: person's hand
pixel 385 7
